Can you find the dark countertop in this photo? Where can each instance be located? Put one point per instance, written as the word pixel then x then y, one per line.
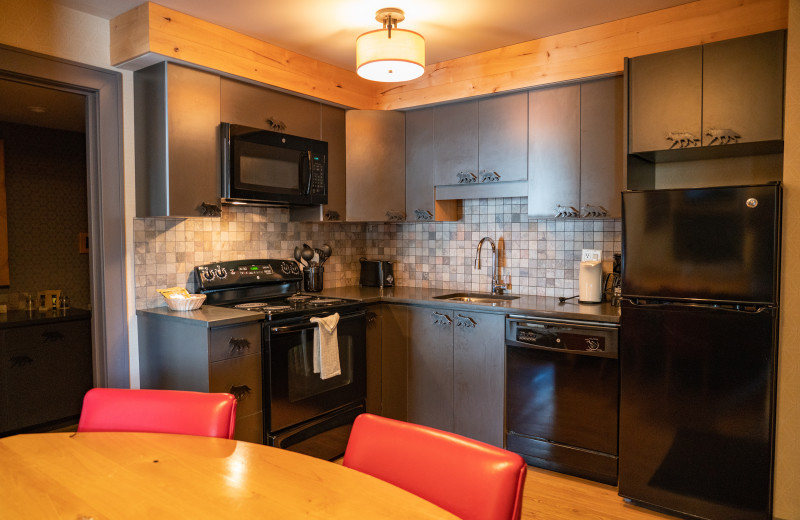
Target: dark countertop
pixel 17 318
pixel 534 306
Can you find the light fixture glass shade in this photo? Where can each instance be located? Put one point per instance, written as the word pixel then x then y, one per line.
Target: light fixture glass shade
pixel 399 58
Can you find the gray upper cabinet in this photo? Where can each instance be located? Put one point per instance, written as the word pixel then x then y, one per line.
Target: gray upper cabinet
pixel 746 78
pixel 376 170
pixel 576 150
pixel 420 204
pixel 503 138
pixel 666 97
pixel 333 132
pixel 177 163
pixel 555 159
pixel 456 142
pixel 716 94
pixel 259 107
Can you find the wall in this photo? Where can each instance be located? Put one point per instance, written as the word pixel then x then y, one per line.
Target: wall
pixel 47 208
pixel 540 257
pixel 787 460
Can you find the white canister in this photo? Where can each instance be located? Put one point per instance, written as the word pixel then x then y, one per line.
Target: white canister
pixel 590 282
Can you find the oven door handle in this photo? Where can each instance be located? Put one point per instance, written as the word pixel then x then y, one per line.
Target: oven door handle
pixel 307 325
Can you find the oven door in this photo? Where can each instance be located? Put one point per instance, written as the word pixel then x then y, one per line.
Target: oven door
pixel 294 393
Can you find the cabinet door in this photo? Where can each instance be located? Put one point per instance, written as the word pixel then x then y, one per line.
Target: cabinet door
pixel 376 165
pixel 430 368
pixel 455 142
pixel 602 148
pixel 665 96
pixel 374 354
pixel 333 132
pixel 743 89
pixel 394 361
pixel 241 376
pixel 259 107
pixel 503 137
pixel 479 375
pixel 419 164
pixel 46 370
pixel 554 150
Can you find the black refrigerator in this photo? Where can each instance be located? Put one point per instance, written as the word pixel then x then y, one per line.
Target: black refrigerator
pixel 698 349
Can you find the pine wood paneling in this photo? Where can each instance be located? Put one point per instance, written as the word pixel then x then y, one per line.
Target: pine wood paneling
pixel 592 51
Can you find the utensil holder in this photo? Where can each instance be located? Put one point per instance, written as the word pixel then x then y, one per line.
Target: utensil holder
pixel 312 278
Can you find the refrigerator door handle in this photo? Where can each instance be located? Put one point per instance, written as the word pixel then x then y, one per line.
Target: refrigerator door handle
pixel 743 309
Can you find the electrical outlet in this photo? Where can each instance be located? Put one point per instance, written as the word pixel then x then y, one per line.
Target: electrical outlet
pixel 591 255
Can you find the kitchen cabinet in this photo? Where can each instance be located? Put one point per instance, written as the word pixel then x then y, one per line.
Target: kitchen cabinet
pixel 186 354
pixel 45 371
pixel 375 165
pixel 176 116
pixel 576 150
pixel 387 361
pixel 484 141
pixel 717 94
pixel 259 107
pixel 421 203
pixel 456 372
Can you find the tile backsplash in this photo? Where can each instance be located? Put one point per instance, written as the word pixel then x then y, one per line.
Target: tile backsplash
pixel 537 256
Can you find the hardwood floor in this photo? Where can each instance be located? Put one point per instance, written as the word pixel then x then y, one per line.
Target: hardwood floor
pixel 554 496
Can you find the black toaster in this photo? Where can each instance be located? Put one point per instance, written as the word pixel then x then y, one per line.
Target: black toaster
pixel 376 273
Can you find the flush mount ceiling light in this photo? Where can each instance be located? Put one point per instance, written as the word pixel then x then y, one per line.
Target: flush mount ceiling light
pixel 390 54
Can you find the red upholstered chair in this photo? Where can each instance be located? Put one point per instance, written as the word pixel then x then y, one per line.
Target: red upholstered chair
pixel 468 478
pixel 158 411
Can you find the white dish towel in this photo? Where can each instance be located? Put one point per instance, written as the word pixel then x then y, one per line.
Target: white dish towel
pixel 326 347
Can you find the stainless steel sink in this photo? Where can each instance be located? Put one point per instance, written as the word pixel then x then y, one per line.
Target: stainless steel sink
pixel 476 297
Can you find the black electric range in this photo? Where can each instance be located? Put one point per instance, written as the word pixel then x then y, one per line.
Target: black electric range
pixel 268 286
pixel 302 411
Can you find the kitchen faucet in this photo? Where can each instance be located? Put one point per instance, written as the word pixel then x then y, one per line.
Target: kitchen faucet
pixel 496 287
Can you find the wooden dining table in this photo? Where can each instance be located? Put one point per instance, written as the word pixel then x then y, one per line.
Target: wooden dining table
pixel 142 476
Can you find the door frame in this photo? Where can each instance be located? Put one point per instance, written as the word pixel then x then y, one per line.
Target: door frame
pixel 103 91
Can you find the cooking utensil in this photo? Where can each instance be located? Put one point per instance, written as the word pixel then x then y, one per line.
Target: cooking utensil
pixel 297 255
pixel 326 252
pixel 307 254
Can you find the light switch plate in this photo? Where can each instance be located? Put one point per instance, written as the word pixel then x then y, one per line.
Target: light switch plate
pixel 591 255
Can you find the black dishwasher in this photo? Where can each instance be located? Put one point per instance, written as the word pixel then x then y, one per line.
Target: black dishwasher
pixel 562 395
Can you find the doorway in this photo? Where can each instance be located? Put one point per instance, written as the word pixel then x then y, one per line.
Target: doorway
pixel 101 93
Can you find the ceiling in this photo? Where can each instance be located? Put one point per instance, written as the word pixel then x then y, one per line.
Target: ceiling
pixel 40 106
pixel 327 31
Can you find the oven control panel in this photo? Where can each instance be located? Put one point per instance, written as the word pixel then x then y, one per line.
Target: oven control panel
pixel 241 273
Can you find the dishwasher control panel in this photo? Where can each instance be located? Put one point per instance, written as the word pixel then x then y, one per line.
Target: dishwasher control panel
pixel 562 335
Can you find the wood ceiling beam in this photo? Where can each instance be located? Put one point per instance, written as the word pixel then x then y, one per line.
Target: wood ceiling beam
pixel 152 32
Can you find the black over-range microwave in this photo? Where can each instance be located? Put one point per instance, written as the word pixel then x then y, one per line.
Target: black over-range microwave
pixel 265 167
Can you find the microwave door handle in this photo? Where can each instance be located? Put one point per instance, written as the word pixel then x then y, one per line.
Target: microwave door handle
pixel 308 173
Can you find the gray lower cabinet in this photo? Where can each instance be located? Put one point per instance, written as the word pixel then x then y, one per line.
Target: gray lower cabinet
pixel 44 373
pixel 394 361
pixel 376 171
pixel 576 150
pixel 177 112
pixel 456 371
pixel 185 354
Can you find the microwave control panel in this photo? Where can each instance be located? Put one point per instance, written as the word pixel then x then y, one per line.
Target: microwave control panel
pixel 318 174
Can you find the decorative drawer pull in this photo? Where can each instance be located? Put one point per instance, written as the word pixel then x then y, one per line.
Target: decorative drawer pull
pixel 20 361
pixel 372 318
pixel 210 210
pixel 423 214
pixel 395 215
pixel 332 216
pixel 52 335
pixel 465 321
pixel 682 140
pixel 441 319
pixel 466 177
pixel 239 344
pixel 721 136
pixel 593 211
pixel 566 211
pixel 240 392
pixel 489 176
pixel 276 124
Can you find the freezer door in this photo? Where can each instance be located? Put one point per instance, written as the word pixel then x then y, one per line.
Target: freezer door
pixel 709 244
pixel 697 401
